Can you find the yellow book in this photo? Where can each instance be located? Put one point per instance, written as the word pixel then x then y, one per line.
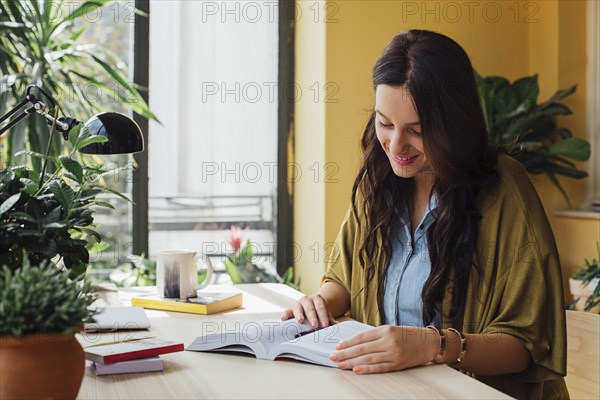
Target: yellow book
pixel 205 303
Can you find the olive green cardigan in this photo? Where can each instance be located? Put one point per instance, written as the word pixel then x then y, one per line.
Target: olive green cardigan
pixel 519 291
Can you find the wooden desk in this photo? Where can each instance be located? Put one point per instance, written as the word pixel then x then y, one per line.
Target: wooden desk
pixel 210 375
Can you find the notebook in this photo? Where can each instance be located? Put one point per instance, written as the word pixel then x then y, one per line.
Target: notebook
pixel 118 318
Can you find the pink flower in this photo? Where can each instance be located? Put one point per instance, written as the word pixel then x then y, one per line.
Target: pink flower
pixel 235 238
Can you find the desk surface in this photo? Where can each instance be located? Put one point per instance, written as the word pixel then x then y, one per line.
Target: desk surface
pixel 210 375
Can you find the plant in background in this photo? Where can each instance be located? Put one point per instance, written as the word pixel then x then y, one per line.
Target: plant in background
pixel 242 269
pixel 43 216
pixel 41 43
pixel 585 285
pixel 235 237
pixel 529 130
pixel 139 271
pixel 43 300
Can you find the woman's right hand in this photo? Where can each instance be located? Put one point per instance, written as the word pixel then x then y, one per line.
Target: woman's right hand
pixel 312 308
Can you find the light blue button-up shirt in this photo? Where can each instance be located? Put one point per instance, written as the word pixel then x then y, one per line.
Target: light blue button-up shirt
pixel 408 270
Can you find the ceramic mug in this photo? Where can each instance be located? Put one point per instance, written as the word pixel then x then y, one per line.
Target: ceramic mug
pixel 177 273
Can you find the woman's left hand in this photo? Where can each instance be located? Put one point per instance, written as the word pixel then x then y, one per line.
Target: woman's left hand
pixel 387 348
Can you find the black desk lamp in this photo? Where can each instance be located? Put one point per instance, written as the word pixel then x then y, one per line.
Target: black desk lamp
pixel 123 135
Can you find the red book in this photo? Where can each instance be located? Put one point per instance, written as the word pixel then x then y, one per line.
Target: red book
pixel 130 350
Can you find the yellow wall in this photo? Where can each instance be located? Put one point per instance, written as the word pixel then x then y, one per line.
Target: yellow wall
pixel 547 37
pixel 557 52
pixel 309 151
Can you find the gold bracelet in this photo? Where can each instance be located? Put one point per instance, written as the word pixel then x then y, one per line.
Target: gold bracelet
pixel 463 345
pixel 440 353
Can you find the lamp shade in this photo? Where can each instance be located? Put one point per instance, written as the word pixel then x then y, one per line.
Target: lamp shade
pixel 123 134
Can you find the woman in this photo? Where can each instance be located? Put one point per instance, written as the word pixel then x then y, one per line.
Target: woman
pixel 446 247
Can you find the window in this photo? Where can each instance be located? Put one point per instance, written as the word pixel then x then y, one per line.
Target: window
pixel 213 160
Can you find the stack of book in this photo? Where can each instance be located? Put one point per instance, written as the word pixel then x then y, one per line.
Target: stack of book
pixel 142 355
pixel 133 355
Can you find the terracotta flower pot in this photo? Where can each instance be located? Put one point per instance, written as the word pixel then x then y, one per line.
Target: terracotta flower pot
pixel 41 366
pixel 582 293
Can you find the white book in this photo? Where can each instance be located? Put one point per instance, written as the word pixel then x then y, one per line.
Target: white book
pixel 141 365
pixel 272 338
pixel 117 318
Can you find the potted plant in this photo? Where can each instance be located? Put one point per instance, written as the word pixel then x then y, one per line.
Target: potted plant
pixel 241 266
pixel 46 232
pixel 585 287
pixel 41 309
pixel 50 216
pixel 528 130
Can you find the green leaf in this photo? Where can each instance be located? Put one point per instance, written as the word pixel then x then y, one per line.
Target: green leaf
pixel 527 90
pixel 28 233
pixel 63 193
pixel 121 195
pixel 564 133
pixel 232 271
pixel 90 232
pixel 571 172
pixel 103 203
pixel 22 216
pixel 520 124
pixel 36 154
pixel 90 140
pixel 564 161
pixel 74 135
pixel 560 94
pixel 7 26
pixel 77 270
pixel 57 225
pixel 77 34
pixel 575 148
pixel 72 166
pixel 89 194
pixel 246 252
pixel 97 247
pixel 9 203
pixel 52 216
pixel 84 9
pixel 288 276
pixel 556 183
pixel 554 109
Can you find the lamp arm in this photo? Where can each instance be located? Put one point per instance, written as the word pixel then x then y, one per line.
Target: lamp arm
pixel 63 124
pixel 121 134
pixel 12 111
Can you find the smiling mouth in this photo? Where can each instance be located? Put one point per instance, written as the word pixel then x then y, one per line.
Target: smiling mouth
pixel 404 158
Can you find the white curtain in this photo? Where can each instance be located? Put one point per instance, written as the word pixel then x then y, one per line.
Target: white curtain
pixel 213 85
pixel 213 74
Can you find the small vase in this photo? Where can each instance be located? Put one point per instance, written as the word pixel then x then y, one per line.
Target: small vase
pixel 41 366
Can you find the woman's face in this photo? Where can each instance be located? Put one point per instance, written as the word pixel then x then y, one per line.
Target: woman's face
pixel 399 131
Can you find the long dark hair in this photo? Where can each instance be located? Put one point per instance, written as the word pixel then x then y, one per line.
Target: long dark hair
pixel 439 76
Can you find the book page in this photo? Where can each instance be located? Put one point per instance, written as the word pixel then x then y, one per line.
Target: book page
pixel 257 336
pixel 316 347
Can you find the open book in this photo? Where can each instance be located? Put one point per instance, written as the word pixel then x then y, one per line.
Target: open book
pixel 272 338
